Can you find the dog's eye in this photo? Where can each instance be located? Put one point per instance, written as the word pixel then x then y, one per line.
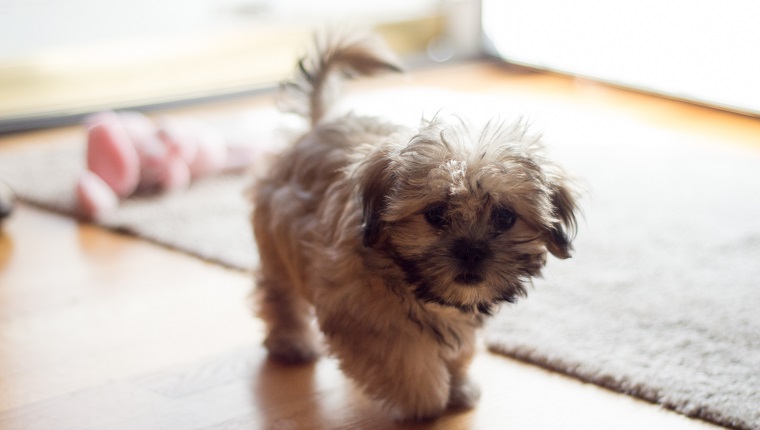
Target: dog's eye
pixel 503 218
pixel 436 216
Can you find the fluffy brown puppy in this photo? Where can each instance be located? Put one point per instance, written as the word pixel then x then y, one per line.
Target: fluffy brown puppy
pixel 400 241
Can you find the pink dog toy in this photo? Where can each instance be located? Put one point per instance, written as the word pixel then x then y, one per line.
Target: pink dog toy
pixel 127 153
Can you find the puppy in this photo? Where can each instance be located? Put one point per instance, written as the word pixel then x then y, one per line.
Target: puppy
pixel 400 241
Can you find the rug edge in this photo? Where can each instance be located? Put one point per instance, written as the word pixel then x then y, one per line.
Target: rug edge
pixel 621 385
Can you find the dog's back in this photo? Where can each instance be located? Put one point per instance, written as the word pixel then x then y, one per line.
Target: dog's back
pixel 299 178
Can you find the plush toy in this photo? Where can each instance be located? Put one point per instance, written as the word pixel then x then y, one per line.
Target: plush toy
pixel 128 153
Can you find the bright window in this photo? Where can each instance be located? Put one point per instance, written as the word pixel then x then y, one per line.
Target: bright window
pixel 62 59
pixel 702 50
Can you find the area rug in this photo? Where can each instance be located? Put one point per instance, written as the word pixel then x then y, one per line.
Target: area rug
pixel 661 299
pixel 208 219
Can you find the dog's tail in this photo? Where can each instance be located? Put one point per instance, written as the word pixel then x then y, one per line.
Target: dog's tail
pixel 310 93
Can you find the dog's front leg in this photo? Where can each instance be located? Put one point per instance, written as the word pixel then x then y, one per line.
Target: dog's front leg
pixel 405 373
pixel 465 393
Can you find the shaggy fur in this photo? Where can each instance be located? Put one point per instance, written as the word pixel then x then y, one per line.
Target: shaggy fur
pixel 400 241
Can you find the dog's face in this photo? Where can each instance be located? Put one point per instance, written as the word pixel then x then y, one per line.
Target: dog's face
pixel 468 219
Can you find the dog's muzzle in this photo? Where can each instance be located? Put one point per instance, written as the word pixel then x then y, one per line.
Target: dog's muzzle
pixel 470 254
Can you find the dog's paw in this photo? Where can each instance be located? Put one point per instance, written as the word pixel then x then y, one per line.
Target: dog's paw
pixel 421 404
pixel 292 349
pixel 464 395
pixel 405 414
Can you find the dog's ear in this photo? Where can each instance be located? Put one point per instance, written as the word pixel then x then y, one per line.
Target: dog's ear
pixel 376 179
pixel 561 233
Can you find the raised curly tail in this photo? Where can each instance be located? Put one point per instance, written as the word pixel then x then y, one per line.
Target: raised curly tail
pixel 311 93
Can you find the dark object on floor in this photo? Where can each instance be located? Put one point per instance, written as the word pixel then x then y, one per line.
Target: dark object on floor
pixel 6 202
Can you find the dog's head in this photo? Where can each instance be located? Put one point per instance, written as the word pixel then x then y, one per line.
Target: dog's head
pixel 467 218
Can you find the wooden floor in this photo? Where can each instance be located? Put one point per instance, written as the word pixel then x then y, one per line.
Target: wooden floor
pixel 104 331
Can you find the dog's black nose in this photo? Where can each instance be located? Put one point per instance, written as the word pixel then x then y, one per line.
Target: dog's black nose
pixel 471 253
